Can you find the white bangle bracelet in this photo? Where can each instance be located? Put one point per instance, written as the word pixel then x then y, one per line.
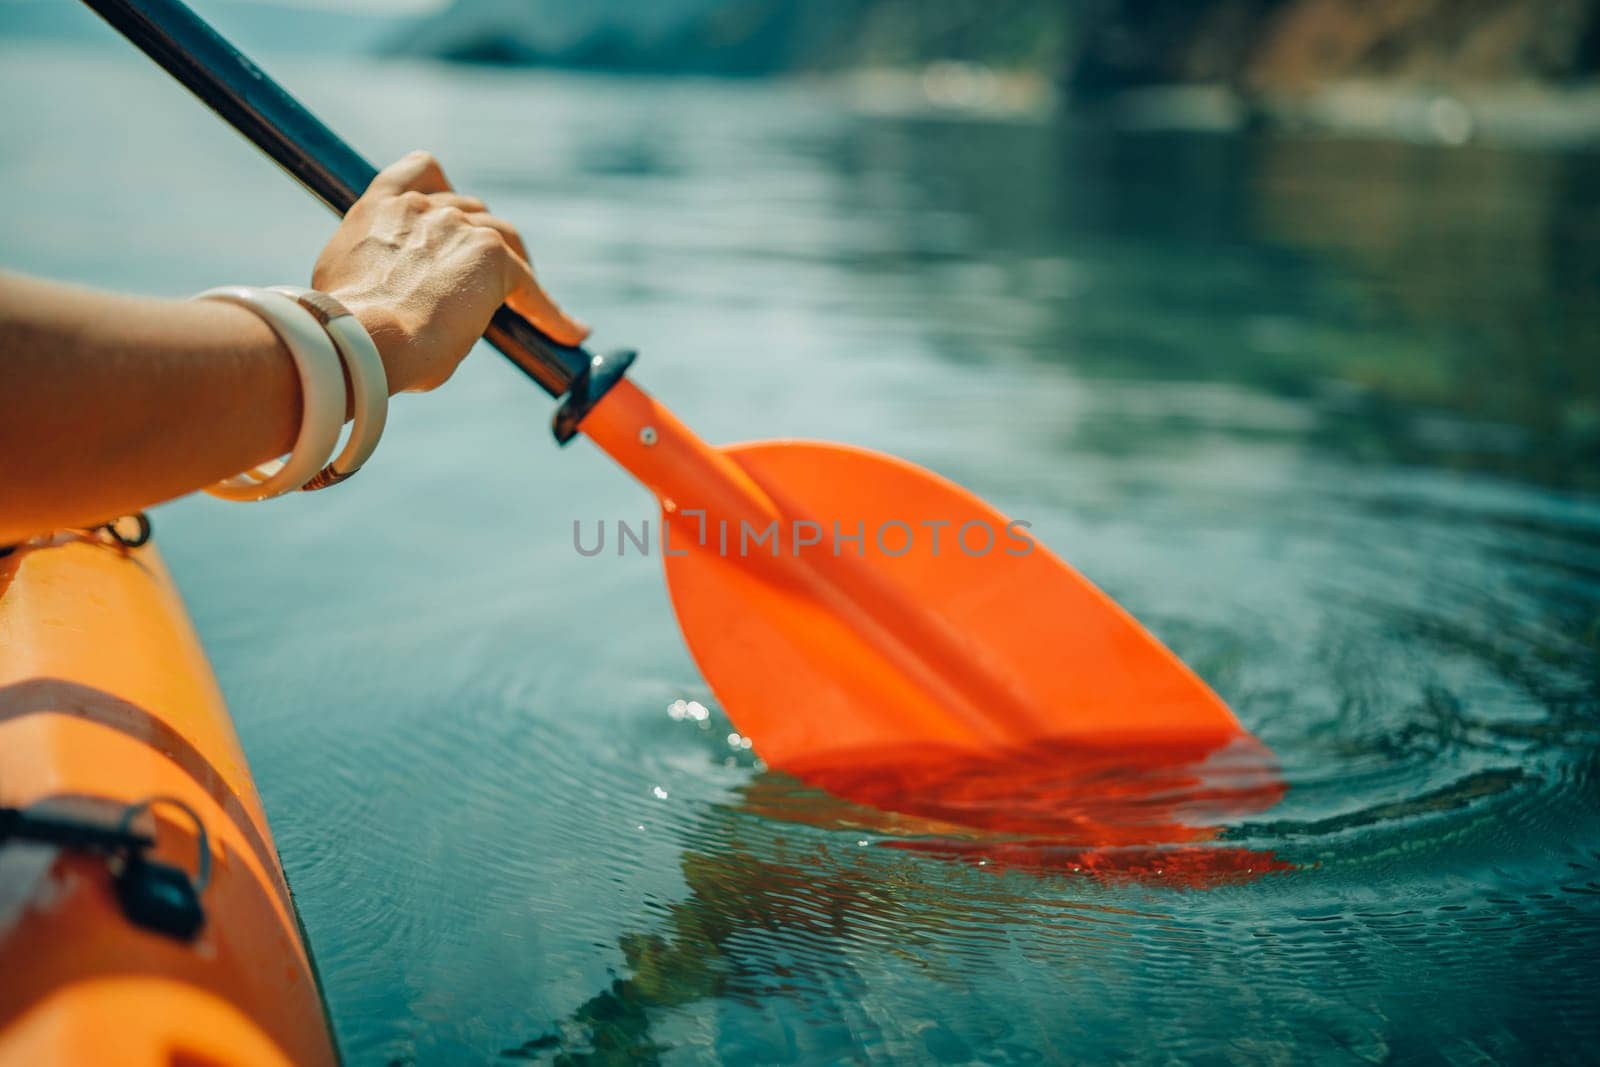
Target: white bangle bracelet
pixel 369 382
pixel 321 395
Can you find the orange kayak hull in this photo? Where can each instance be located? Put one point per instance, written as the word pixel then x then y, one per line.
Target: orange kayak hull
pixel 106 698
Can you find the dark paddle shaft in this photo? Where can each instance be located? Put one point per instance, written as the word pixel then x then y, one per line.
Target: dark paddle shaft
pixel 223 78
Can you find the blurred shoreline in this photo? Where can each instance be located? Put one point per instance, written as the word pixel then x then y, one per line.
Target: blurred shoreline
pixel 1523 72
pixel 1506 73
pixel 1508 116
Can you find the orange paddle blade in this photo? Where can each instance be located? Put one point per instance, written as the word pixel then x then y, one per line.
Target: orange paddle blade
pixel 882 634
pixel 846 606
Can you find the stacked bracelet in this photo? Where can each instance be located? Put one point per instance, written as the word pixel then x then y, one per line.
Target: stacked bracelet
pixel 321 395
pixel 326 342
pixel 369 383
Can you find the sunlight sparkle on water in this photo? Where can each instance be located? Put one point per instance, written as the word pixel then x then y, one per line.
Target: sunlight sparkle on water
pixel 692 710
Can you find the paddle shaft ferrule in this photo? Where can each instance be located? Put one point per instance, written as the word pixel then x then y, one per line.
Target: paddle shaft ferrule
pixel 187 47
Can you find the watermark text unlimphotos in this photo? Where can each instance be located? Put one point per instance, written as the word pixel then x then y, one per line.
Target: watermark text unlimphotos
pixel 890 537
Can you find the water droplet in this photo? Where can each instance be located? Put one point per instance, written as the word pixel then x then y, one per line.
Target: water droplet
pixel 733 740
pixel 863 843
pixel 697 711
pixel 678 710
pixel 659 793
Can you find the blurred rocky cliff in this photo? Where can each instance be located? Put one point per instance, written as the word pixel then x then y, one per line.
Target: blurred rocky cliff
pixel 744 37
pixel 1292 45
pixel 1088 46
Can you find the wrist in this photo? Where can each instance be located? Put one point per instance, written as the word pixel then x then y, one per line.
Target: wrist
pixel 390 331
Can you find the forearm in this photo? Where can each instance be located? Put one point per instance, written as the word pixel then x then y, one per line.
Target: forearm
pixel 111 403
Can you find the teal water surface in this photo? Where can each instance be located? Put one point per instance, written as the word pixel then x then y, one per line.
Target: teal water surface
pixel 1325 415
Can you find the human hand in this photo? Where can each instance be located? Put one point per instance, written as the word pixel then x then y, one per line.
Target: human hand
pixel 424 268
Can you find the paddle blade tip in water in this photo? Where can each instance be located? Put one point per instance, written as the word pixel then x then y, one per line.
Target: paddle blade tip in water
pixel 884 634
pixel 878 606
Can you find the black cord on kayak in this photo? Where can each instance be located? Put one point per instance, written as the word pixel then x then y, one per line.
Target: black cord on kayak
pixel 120 532
pixel 80 835
pixel 155 895
pixel 202 874
pixel 117 530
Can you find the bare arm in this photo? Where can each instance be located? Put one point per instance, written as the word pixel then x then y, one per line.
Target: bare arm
pixel 110 403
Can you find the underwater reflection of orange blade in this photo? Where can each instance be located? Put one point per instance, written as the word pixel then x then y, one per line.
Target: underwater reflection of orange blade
pixel 856 613
pixel 1181 867
pixel 1069 794
pixel 1114 814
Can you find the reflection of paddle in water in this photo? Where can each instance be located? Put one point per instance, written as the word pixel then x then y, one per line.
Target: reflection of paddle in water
pixel 767 920
pixel 1117 812
pixel 771 897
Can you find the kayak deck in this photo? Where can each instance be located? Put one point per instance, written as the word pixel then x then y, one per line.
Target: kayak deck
pixel 106 699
